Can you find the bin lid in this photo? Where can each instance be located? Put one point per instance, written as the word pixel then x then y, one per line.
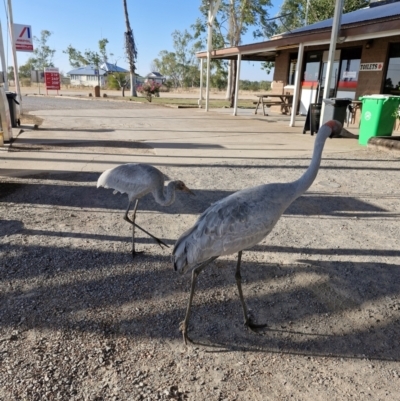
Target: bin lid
pixel 380 97
pixel 338 101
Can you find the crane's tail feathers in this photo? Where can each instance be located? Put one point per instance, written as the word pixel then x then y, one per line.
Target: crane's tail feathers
pixel 179 258
pixel 180 252
pixel 102 181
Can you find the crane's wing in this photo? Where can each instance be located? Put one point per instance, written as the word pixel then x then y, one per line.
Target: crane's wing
pixel 232 224
pixel 134 179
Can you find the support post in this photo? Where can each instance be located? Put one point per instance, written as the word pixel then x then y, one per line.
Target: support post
pixel 3 59
pixel 201 84
pixel 212 12
pixel 297 83
pixel 14 52
pixel 209 48
pixel 337 17
pixel 239 61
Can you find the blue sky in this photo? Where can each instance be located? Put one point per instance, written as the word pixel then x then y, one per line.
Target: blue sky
pixel 83 23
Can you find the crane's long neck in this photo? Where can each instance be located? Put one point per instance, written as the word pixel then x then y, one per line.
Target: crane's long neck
pixel 306 180
pixel 165 196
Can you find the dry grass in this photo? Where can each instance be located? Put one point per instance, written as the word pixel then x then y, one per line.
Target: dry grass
pixel 30 119
pixel 185 102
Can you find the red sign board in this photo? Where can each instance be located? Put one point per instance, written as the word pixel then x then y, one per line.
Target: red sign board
pixel 52 78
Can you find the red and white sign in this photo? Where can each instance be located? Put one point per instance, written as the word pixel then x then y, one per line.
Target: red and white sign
pixel 23 38
pixel 52 78
pixel 371 67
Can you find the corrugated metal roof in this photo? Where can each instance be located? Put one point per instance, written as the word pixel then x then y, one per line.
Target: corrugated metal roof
pixel 154 74
pixel 112 67
pixel 89 69
pixel 354 17
pixel 86 70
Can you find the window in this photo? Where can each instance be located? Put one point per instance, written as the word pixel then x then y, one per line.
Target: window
pixel 392 79
pixel 349 69
pixel 292 69
pixel 313 63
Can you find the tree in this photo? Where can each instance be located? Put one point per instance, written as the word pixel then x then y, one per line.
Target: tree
pixel 254 85
pixel 167 65
pixel 25 69
pixel 43 54
pixel 219 73
pixel 234 18
pixel 89 57
pixel 180 66
pixel 77 59
pixel 103 49
pixel 118 80
pixel 219 78
pixel 294 12
pixel 130 51
pixel 10 73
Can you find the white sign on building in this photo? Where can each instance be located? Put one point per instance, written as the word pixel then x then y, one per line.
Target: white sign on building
pixel 371 67
pixel 23 38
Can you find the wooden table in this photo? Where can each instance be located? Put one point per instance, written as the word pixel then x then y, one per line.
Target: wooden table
pixel 285 101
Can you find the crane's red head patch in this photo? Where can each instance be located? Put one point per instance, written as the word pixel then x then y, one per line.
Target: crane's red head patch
pixel 335 126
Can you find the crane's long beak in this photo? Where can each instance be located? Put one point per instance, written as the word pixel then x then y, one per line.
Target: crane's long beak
pixel 187 190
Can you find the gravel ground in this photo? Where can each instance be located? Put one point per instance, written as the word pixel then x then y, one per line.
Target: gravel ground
pixel 81 320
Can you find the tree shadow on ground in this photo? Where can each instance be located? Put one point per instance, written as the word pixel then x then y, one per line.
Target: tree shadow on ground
pixel 82 196
pixel 337 309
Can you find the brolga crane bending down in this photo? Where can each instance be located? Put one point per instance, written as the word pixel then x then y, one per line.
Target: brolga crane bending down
pixel 137 180
pixel 241 221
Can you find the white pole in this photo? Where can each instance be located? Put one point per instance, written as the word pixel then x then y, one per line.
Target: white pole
pixel 11 29
pixel 337 17
pixel 209 48
pixel 201 83
pixel 212 12
pixel 3 59
pixel 239 61
pixel 297 82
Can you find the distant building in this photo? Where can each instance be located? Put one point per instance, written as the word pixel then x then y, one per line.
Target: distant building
pixel 155 77
pixel 89 75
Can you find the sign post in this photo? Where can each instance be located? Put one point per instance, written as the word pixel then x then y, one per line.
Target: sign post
pixel 52 79
pixel 14 51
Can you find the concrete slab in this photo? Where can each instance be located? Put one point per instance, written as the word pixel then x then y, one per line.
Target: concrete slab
pixel 94 140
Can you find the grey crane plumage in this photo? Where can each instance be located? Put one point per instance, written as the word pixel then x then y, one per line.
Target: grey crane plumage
pixel 240 221
pixel 137 180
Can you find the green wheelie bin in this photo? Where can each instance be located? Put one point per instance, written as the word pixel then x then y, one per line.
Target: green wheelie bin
pixel 377 116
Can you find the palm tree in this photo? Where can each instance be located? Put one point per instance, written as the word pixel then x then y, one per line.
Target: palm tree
pixel 131 51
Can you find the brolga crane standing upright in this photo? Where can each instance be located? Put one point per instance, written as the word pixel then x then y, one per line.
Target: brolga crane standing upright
pixel 241 221
pixel 137 180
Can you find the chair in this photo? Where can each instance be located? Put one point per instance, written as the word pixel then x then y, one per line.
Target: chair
pixel 352 107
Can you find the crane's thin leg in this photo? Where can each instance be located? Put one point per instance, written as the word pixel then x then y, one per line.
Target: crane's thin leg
pixel 126 218
pixel 238 277
pixel 134 253
pixel 195 272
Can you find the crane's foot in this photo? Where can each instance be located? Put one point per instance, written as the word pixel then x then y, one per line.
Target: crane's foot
pixel 135 253
pixel 252 325
pixel 255 327
pixel 183 329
